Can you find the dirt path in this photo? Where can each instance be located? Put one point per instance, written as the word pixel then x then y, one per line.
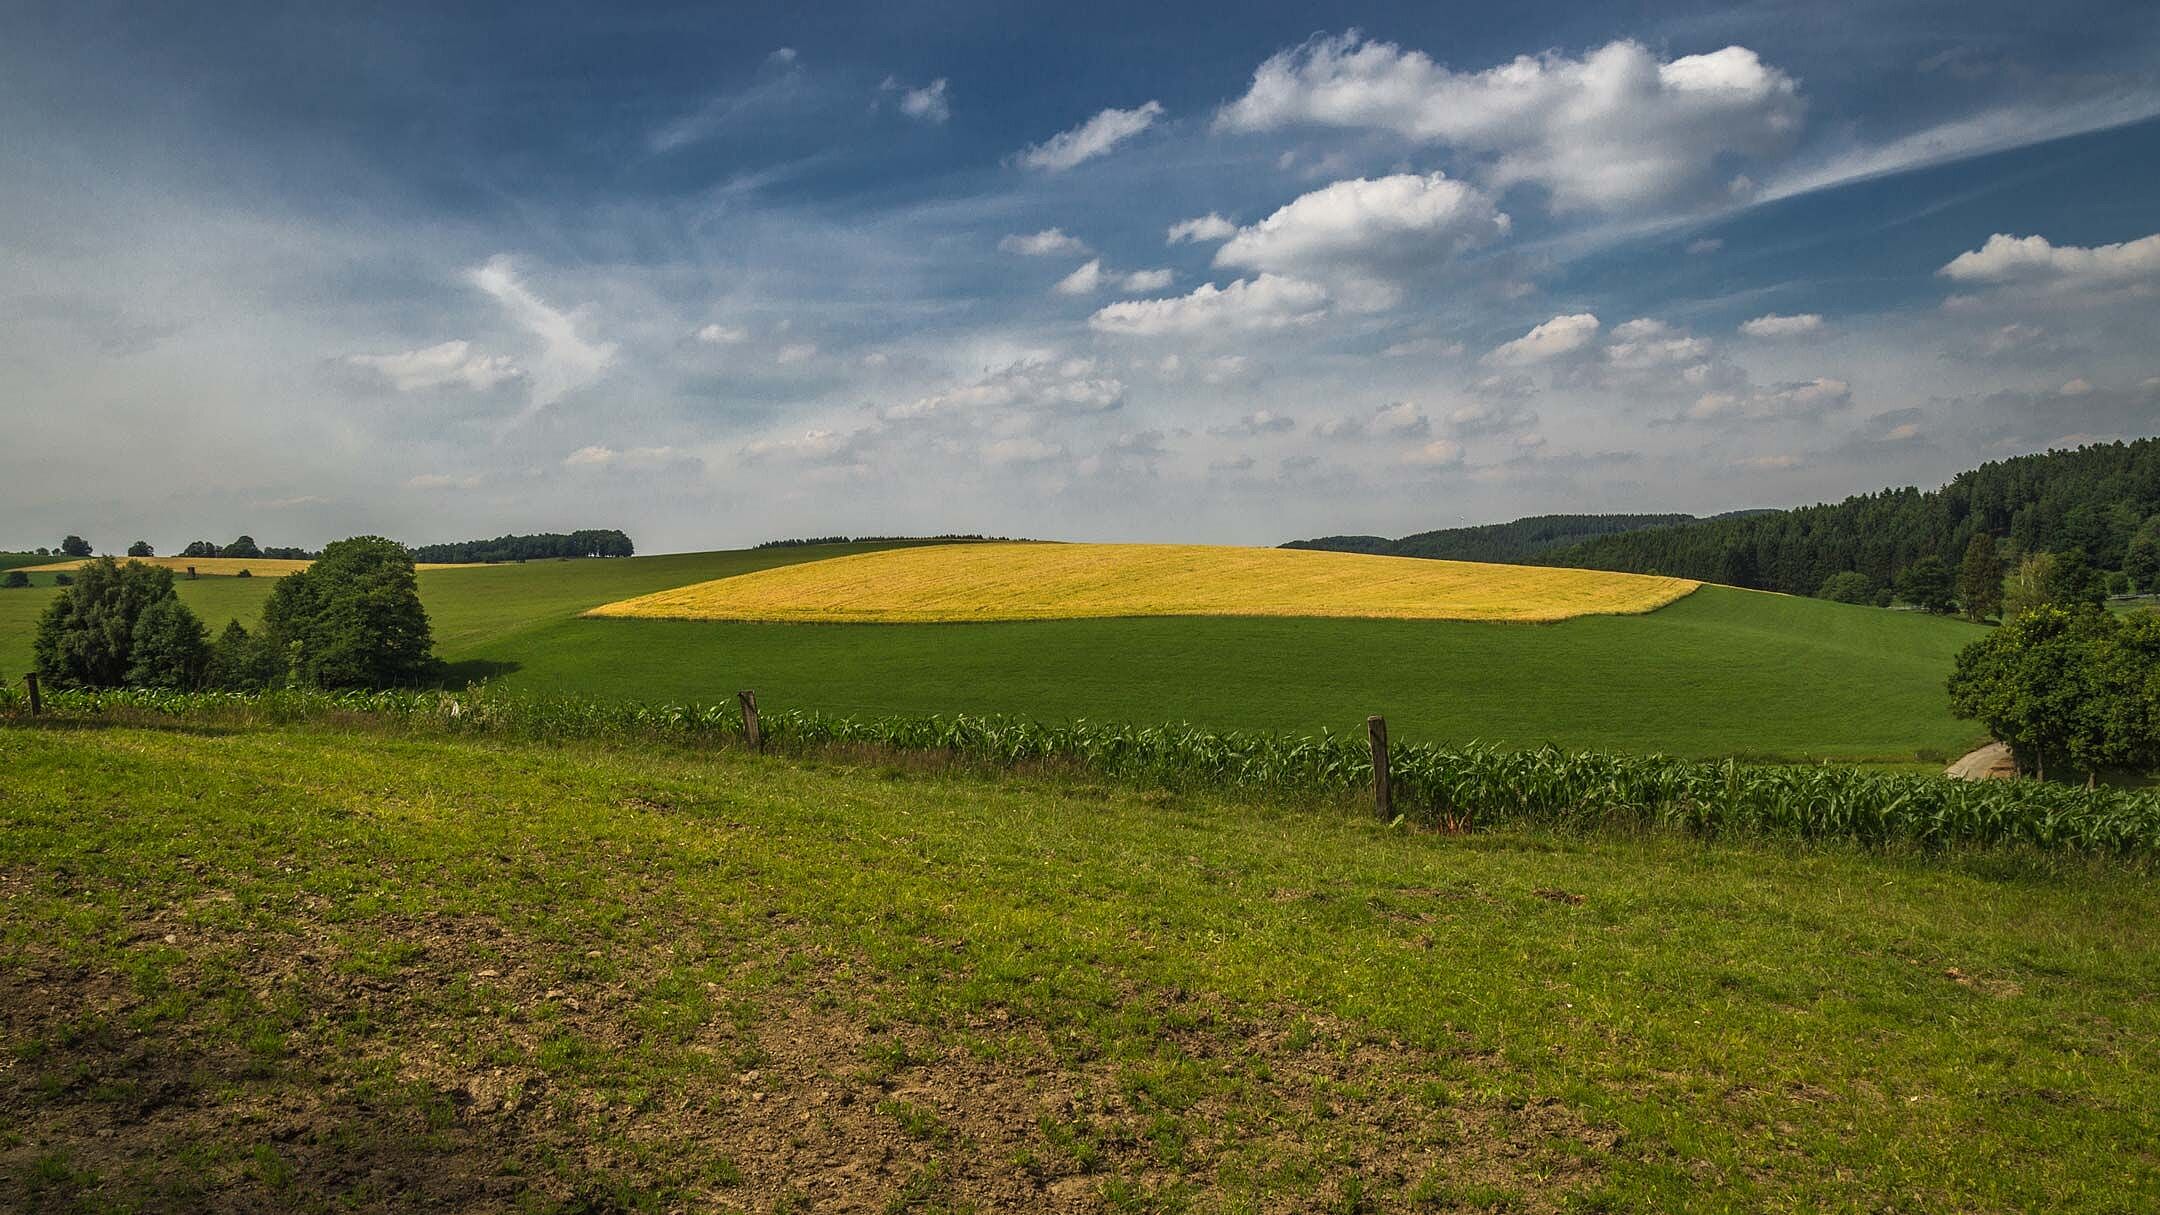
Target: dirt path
pixel 1991 762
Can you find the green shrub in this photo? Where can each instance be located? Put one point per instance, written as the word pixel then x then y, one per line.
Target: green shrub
pixel 14 578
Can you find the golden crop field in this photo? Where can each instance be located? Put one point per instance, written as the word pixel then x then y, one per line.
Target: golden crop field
pixel 260 567
pixel 996 581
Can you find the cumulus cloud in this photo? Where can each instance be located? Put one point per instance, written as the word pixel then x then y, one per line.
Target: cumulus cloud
pixel 567 361
pixel 1264 302
pixel 1644 343
pixel 1437 453
pixel 2075 386
pixel 795 352
pixel 446 365
pixel 1617 127
pixel 1147 280
pixel 1086 280
pixel 1396 420
pixel 1478 421
pixel 1209 227
pixel 1356 234
pixel 1047 243
pixel 1259 422
pixel 1095 137
pixel 1562 335
pixel 2035 261
pixel 1039 382
pixel 929 103
pixel 1772 325
pixel 598 456
pixel 722 335
pixel 1798 400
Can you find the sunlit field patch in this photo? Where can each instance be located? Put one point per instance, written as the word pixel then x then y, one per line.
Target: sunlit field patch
pixel 978 582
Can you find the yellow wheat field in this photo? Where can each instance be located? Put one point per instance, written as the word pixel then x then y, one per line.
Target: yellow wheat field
pixel 260 567
pixel 962 582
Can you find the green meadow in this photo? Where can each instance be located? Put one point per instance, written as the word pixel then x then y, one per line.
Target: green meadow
pixel 304 969
pixel 1721 672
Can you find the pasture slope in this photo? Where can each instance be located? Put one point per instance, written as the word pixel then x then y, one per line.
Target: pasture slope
pixel 1719 672
pixel 949 584
pixel 283 968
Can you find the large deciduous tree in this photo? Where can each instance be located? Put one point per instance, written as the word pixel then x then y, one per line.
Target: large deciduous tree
pixel 353 619
pixel 2069 688
pixel 1980 579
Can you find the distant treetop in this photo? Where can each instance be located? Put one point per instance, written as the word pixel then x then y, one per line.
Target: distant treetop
pixel 593 542
pixel 803 541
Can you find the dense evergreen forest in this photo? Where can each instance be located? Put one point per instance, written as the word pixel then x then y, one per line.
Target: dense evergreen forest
pixel 1518 541
pixel 589 543
pixel 2102 500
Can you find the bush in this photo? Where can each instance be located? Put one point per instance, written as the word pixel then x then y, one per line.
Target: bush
pixel 241 661
pixel 88 634
pixel 353 619
pixel 63 579
pixel 14 578
pixel 168 649
pixel 243 574
pixel 1852 586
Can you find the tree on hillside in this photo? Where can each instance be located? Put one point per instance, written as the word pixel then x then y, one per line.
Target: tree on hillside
pixel 1852 586
pixel 14 578
pixel 2073 581
pixel 2027 586
pixel 168 648
pixel 199 548
pixel 87 636
pixel 2141 559
pixel 75 546
pixel 243 546
pixel 1980 579
pixel 141 548
pixel 353 619
pixel 1926 585
pixel 2070 689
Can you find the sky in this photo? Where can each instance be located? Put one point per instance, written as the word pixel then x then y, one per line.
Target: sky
pixel 716 274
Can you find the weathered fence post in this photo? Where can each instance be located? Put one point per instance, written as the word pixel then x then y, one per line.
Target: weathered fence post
pixel 1383 796
pixel 191 573
pixel 749 719
pixel 37 703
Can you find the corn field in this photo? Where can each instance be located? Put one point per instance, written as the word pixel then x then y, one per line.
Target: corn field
pixel 1458 787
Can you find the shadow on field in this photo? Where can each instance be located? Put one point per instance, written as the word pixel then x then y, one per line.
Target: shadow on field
pixel 459 675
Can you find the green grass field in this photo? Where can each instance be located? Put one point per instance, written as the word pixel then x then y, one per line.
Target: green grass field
pixel 276 969
pixel 1720 672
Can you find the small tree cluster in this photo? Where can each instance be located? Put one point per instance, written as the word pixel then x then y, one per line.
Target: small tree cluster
pixel 75 546
pixel 1852 586
pixel 120 624
pixel 141 548
pixel 2069 688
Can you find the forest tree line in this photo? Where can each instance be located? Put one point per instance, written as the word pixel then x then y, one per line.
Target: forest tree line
pixel 2096 507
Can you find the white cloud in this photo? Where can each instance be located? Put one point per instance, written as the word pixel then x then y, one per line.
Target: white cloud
pixel 631 457
pixel 1615 128
pixel 2075 386
pixel 1767 463
pixel 2035 261
pixel 567 361
pixel 1148 280
pixel 1356 234
pixel 795 352
pixel 1772 325
pixel 1039 382
pixel 1436 453
pixel 722 335
pixel 1019 450
pixel 1803 399
pixel 1645 343
pixel 446 365
pixel 929 103
pixel 1397 420
pixel 445 481
pixel 1090 139
pixel 1209 227
pixel 1559 336
pixel 1046 243
pixel 1259 422
pixel 1086 280
pixel 1438 347
pixel 1264 302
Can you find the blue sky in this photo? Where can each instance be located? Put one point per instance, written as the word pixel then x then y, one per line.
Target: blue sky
pixel 715 275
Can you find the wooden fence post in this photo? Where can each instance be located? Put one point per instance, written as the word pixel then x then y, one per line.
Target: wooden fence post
pixel 37 703
pixel 750 730
pixel 1383 799
pixel 191 573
